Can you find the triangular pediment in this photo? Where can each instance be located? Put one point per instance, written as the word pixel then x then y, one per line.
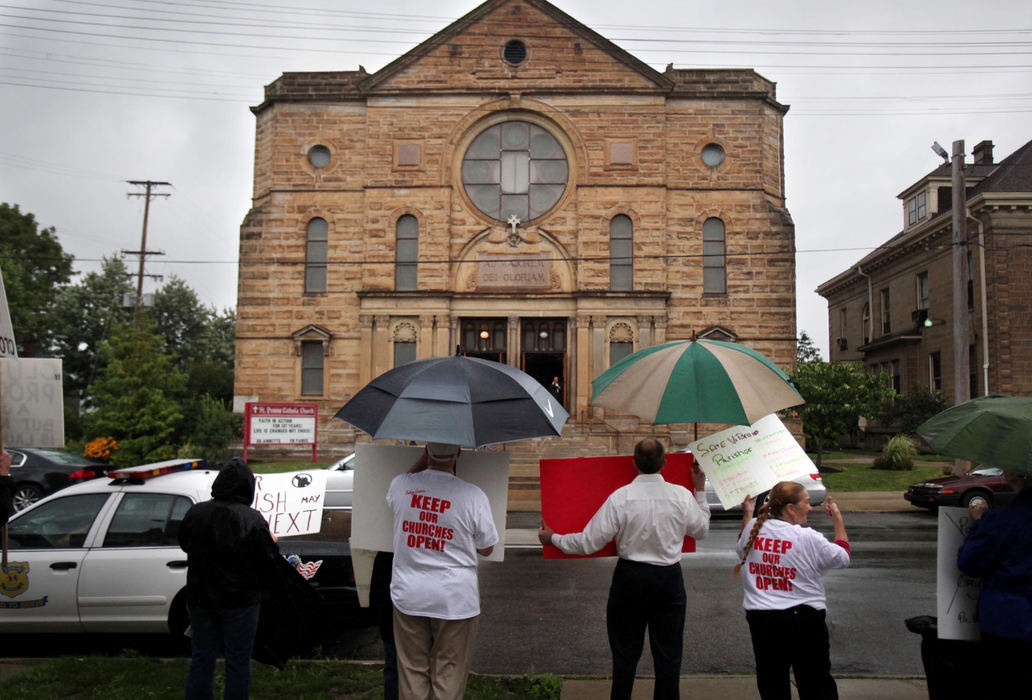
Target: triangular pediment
pixel 559 54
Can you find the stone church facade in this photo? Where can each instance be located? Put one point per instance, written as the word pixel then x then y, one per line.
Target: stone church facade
pixel 517 188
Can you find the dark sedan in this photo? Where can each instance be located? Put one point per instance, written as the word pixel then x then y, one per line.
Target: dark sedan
pixel 38 472
pixel 983 482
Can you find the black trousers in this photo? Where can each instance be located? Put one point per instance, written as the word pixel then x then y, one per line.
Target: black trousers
pixel 796 638
pixel 646 596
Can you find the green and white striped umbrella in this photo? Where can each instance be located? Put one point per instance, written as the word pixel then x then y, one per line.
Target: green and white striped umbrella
pixel 695 381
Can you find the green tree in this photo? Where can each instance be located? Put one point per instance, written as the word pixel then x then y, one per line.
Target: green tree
pixel 84 317
pixel 34 266
pixel 837 394
pixel 136 397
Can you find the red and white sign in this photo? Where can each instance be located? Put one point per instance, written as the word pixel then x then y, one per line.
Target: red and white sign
pixel 280 423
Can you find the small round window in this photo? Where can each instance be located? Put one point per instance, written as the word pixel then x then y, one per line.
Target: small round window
pixel 713 154
pixel 319 156
pixel 515 52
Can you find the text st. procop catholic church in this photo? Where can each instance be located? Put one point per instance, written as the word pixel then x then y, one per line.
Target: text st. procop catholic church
pixel 519 188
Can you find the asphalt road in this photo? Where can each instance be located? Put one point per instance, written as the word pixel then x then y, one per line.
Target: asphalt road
pixel 549 616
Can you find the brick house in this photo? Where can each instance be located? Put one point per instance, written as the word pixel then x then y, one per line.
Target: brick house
pixel 893 309
pixel 519 188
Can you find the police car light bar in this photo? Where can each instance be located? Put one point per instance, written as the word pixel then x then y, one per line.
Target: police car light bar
pixel 146 471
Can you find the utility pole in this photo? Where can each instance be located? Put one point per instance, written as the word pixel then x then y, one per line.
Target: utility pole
pixel 148 193
pixel 961 390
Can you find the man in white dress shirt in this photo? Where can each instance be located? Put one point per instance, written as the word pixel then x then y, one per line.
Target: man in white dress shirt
pixel 649 519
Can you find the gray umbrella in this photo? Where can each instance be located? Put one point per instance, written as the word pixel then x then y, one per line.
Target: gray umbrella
pixel 460 400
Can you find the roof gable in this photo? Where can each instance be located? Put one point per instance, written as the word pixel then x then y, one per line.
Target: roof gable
pixel 562 54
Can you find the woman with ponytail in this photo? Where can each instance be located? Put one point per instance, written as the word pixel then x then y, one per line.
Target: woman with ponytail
pixel 782 570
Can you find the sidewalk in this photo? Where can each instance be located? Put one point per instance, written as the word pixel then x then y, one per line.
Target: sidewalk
pixel 724 687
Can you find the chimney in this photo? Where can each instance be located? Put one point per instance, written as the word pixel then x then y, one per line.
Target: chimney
pixel 983 153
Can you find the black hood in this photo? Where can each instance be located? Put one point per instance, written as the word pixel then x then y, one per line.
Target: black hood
pixel 235 483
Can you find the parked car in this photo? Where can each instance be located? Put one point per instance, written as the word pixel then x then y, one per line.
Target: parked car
pixel 986 482
pixel 811 482
pixel 340 483
pixel 103 556
pixel 39 472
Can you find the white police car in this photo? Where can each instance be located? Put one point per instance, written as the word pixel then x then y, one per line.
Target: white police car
pixel 103 556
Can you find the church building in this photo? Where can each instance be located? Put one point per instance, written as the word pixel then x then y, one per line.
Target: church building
pixel 516 188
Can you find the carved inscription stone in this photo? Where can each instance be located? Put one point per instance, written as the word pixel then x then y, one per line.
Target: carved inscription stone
pixel 512 272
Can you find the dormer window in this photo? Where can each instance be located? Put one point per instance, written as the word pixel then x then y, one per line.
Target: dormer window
pixel 917 208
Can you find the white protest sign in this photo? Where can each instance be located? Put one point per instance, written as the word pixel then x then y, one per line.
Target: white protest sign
pixel 33 402
pixel 956 594
pixel 8 348
pixel 748 459
pixel 372 526
pixel 291 502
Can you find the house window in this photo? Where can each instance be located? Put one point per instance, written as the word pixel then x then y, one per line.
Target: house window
pixel 621 342
pixel 917 208
pixel 897 379
pixel 621 264
pixel 714 277
pixel 315 256
pixel 406 254
pixel 404 341
pixel 865 321
pixel 886 319
pixel 842 324
pixel 970 282
pixel 972 372
pixel 312 368
pixel 922 290
pixel 934 372
pixel 404 353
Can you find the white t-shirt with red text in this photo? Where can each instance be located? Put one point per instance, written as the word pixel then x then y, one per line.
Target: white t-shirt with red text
pixel 440 521
pixel 786 566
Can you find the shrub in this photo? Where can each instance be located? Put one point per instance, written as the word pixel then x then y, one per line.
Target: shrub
pixel 898 454
pixel 101 448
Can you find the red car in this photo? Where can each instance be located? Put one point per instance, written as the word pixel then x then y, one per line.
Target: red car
pixel 985 482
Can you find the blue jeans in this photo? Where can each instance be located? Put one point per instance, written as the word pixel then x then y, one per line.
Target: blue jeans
pixel 231 630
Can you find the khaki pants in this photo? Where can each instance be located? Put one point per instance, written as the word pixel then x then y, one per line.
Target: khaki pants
pixel 433 653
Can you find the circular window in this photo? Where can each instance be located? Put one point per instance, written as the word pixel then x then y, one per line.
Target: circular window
pixel 319 156
pixel 514 169
pixel 713 154
pixel 515 52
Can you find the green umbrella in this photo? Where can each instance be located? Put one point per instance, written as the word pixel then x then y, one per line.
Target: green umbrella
pixel 992 430
pixel 695 381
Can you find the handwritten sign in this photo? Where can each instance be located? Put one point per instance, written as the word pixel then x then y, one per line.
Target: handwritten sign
pixel 33 401
pixel 957 594
pixel 291 502
pixel 8 348
pixel 749 459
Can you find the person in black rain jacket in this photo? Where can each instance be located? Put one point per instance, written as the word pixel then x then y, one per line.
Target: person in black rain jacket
pixel 232 556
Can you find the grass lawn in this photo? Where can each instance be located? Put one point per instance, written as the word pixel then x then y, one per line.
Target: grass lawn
pixel 852 471
pixel 133 677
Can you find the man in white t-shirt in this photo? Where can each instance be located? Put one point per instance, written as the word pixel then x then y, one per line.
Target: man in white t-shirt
pixel 441 524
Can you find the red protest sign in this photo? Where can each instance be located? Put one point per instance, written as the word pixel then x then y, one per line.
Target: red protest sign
pixel 572 490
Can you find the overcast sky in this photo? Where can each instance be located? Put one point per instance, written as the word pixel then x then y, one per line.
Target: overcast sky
pixel 97 92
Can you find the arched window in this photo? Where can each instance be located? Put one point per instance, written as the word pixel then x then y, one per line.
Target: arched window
pixel 621 264
pixel 315 256
pixel 714 262
pixel 406 254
